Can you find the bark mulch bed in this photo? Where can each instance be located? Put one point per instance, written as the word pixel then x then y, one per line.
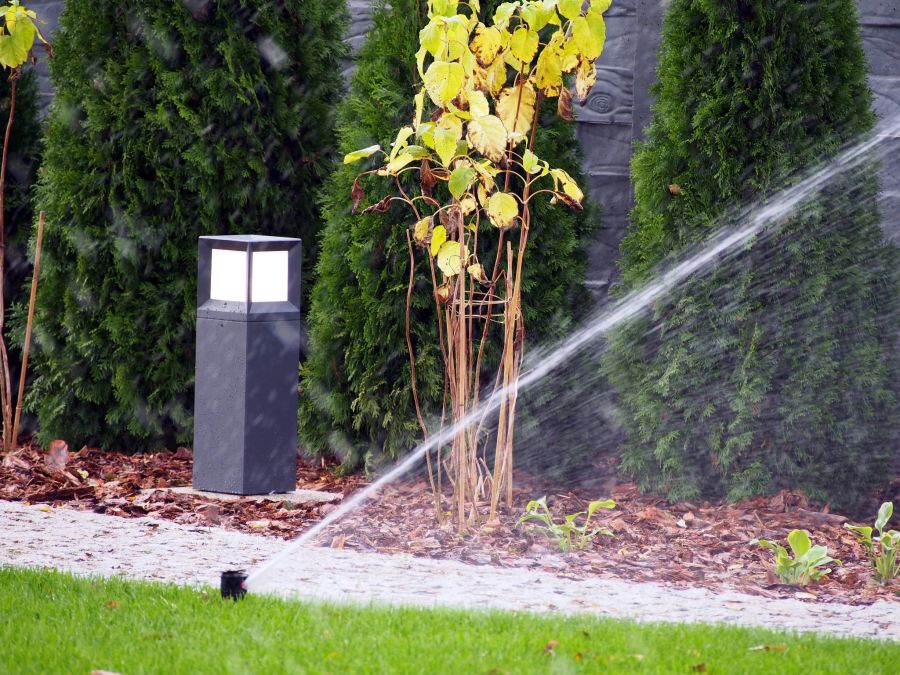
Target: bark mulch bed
pixel 685 544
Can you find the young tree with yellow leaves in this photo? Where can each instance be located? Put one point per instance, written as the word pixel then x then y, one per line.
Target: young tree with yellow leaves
pixel 471 142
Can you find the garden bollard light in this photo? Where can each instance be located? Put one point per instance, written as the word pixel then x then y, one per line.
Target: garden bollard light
pixel 248 357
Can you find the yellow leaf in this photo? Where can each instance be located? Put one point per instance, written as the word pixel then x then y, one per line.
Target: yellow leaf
pixel 600 5
pixel 483 195
pixel 486 172
pixel 476 271
pixel 420 61
pixel 502 209
pixel 432 37
pixel 548 76
pixel 585 78
pixel 450 259
pixel 569 55
pixel 460 179
pixel 420 108
pixel 523 44
pixel 443 81
pixel 357 155
pixel 397 163
pixel 529 162
pixel 401 142
pixel 442 7
pixel 590 34
pixel 457 37
pixel 570 8
pixel 537 14
pixel 438 237
pixel 569 186
pixel 517 115
pixel 478 104
pixel 468 205
pixel 490 79
pixel 487 135
pixel 421 229
pixel 442 293
pixel 447 134
pixel 486 45
pixel 504 14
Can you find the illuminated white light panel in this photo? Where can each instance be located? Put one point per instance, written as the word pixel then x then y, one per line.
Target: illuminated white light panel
pixel 228 278
pixel 270 276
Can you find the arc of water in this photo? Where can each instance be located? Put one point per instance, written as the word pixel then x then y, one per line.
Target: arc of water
pixel 778 208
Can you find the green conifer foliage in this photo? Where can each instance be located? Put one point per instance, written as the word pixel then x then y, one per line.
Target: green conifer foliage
pixel 172 120
pixel 356 399
pixel 779 369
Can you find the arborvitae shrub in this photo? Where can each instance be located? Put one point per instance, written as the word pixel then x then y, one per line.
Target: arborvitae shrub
pixel 778 369
pixel 356 399
pixel 171 120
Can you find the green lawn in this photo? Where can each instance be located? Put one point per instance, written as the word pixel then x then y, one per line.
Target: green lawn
pixel 54 623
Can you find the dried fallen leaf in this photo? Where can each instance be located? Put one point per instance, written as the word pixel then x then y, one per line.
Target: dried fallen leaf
pixel 768 648
pixel 15 462
pixel 699 668
pixel 209 513
pixel 675 189
pixel 111 604
pixel 550 647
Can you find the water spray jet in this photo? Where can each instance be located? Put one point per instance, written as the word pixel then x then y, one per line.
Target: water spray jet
pixel 752 222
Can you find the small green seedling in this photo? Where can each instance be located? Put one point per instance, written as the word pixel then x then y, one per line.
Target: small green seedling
pixel 568 535
pixel 806 565
pixel 882 548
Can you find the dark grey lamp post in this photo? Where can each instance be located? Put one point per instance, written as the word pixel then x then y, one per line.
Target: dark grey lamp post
pixel 248 353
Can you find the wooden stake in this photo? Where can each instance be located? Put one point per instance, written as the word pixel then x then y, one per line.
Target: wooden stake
pixel 31 303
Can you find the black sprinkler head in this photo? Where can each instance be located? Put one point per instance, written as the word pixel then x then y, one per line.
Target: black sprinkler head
pixel 234 584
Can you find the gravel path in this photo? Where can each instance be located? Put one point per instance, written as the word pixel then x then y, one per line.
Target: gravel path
pixel 146 548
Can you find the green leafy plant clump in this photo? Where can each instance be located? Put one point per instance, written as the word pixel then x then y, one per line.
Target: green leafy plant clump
pixel 569 535
pixel 171 120
pixel 779 367
pixel 357 397
pixel 882 549
pixel 808 563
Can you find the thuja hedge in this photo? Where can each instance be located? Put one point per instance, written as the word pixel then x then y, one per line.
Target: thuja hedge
pixel 171 120
pixel 356 399
pixel 779 369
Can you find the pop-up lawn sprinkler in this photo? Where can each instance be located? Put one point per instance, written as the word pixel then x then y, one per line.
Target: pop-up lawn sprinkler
pixel 234 584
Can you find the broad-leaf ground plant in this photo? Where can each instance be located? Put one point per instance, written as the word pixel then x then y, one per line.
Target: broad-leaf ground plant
pixel 471 144
pixel 808 563
pixel 18 33
pixel 569 535
pixel 881 548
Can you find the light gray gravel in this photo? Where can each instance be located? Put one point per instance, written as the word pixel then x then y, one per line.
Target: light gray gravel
pixel 87 543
